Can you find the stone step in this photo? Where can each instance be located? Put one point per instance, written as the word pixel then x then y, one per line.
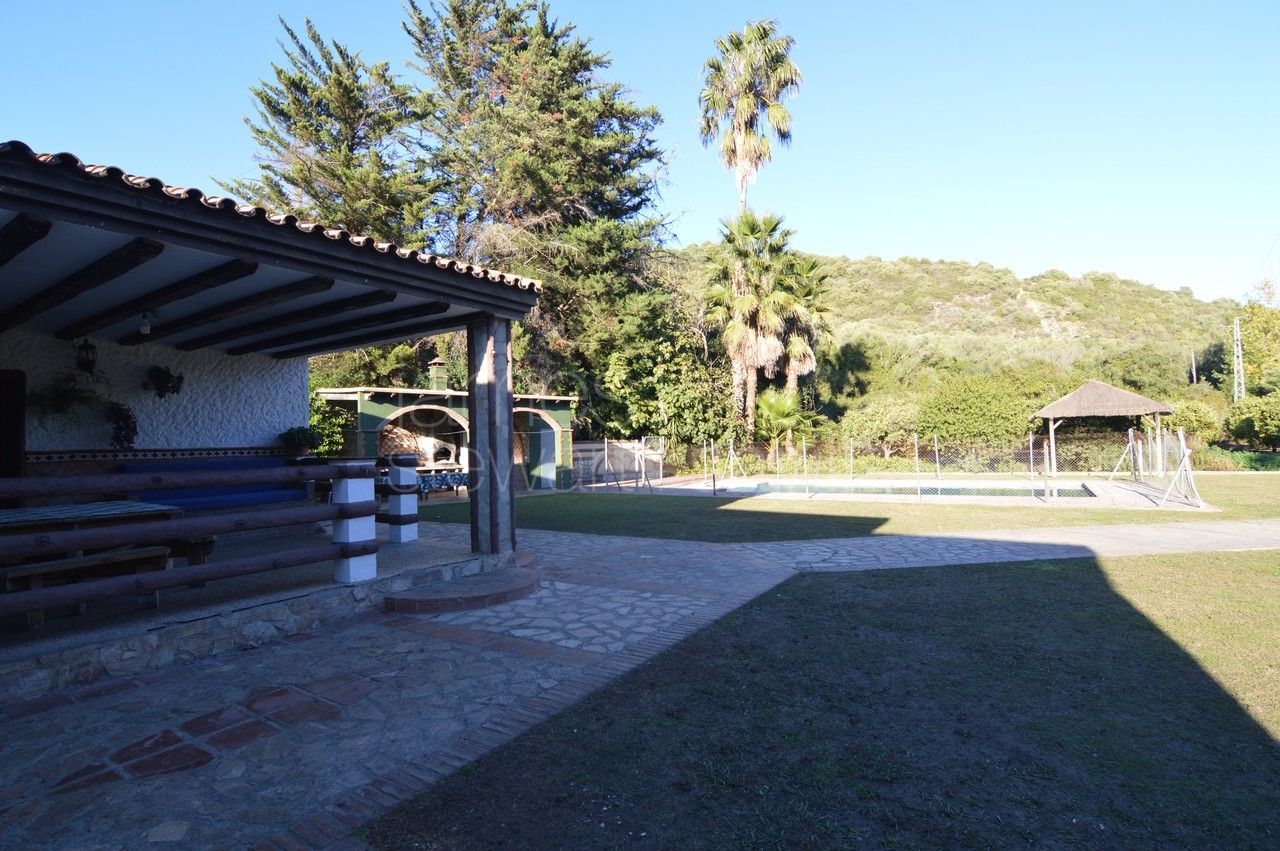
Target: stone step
pixel 469 592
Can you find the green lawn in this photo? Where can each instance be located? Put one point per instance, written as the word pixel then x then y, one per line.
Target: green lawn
pixel 697 518
pixel 1131 703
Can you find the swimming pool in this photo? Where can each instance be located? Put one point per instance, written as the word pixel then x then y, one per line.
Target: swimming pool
pixel 820 486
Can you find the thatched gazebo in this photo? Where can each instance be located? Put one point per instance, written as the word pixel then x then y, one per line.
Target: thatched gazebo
pixel 1096 399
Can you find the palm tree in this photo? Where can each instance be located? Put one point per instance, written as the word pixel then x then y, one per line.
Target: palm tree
pixel 806 282
pixel 779 415
pixel 742 91
pixel 746 302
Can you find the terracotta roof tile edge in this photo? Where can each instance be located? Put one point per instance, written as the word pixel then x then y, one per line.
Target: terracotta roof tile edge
pixel 20 151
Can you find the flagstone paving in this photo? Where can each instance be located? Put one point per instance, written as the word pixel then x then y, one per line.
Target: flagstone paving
pixel 293 744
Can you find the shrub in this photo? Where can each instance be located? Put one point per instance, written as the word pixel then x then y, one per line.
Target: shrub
pixel 1197 419
pixel 301 437
pixel 977 409
pixel 329 423
pixel 884 421
pixel 1256 420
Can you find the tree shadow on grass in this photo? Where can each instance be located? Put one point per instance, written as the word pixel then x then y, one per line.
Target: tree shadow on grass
pixel 1024 703
pixel 679 518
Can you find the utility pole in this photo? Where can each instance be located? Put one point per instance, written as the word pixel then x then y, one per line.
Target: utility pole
pixel 1194 378
pixel 1237 365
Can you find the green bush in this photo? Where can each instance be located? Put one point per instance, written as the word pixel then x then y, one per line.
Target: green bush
pixel 882 421
pixel 1256 421
pixel 327 425
pixel 976 409
pixel 1215 458
pixel 1200 421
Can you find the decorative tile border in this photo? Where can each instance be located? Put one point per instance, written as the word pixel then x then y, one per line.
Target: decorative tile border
pixel 57 455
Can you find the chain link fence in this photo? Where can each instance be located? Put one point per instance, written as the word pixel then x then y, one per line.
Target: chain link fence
pixel 919 455
pixel 621 463
pixel 1158 460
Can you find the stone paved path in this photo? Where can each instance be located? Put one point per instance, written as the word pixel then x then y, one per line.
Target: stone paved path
pixel 890 551
pixel 293 744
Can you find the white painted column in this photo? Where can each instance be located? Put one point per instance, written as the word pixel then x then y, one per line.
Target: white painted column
pixel 359 568
pixel 489 406
pixel 402 508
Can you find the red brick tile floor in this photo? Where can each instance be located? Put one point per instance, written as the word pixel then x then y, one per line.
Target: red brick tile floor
pixel 297 743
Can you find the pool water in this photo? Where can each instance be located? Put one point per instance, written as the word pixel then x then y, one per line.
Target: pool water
pixel 912 490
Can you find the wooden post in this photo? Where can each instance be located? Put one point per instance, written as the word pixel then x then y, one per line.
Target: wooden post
pixel 489 408
pixel 1053 447
pixel 355 530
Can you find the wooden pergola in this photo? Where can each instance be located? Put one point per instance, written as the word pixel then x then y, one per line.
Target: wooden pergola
pixel 93 254
pixel 1095 399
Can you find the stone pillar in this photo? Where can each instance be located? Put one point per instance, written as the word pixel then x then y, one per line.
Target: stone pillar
pixel 358 568
pixel 490 448
pixel 402 507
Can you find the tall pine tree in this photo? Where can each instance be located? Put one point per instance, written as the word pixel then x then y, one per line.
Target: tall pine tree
pixel 510 149
pixel 332 132
pixel 545 168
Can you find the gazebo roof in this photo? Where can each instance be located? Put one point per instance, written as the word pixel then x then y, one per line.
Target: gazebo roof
pixel 1099 399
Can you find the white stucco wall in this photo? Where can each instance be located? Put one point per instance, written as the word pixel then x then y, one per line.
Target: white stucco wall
pixel 225 401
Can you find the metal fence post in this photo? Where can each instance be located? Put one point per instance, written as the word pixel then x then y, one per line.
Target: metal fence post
pixel 1031 455
pixel 937 464
pixel 713 468
pixel 915 442
pixel 851 457
pixel 804 448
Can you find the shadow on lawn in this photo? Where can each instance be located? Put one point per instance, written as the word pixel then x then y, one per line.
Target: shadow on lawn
pixel 989 704
pixel 680 518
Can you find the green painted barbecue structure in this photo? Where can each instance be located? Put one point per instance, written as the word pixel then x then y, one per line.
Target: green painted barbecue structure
pixel 432 423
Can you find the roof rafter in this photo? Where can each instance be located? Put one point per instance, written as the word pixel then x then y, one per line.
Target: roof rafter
pixel 187 287
pixel 20 233
pixel 382 335
pixel 279 295
pixel 100 271
pixel 333 308
pixel 369 321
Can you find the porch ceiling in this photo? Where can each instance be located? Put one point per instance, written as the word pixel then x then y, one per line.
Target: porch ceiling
pixel 86 251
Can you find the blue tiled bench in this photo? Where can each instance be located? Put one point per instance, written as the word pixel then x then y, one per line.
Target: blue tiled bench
pixel 220 496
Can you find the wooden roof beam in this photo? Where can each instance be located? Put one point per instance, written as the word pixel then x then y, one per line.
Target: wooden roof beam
pixel 333 308
pixel 230 309
pixel 368 338
pixel 187 287
pixel 374 320
pixel 97 273
pixel 22 232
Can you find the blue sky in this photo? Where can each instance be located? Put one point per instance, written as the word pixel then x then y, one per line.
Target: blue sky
pixel 1138 138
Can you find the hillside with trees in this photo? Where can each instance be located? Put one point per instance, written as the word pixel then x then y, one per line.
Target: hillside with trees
pixel 506 142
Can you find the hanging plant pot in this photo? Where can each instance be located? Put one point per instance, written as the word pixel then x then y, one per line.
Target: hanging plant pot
pixel 163 381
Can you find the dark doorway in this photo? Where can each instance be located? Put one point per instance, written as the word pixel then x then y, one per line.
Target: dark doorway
pixel 13 423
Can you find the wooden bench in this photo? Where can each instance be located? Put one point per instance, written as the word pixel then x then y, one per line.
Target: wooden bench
pixel 25 577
